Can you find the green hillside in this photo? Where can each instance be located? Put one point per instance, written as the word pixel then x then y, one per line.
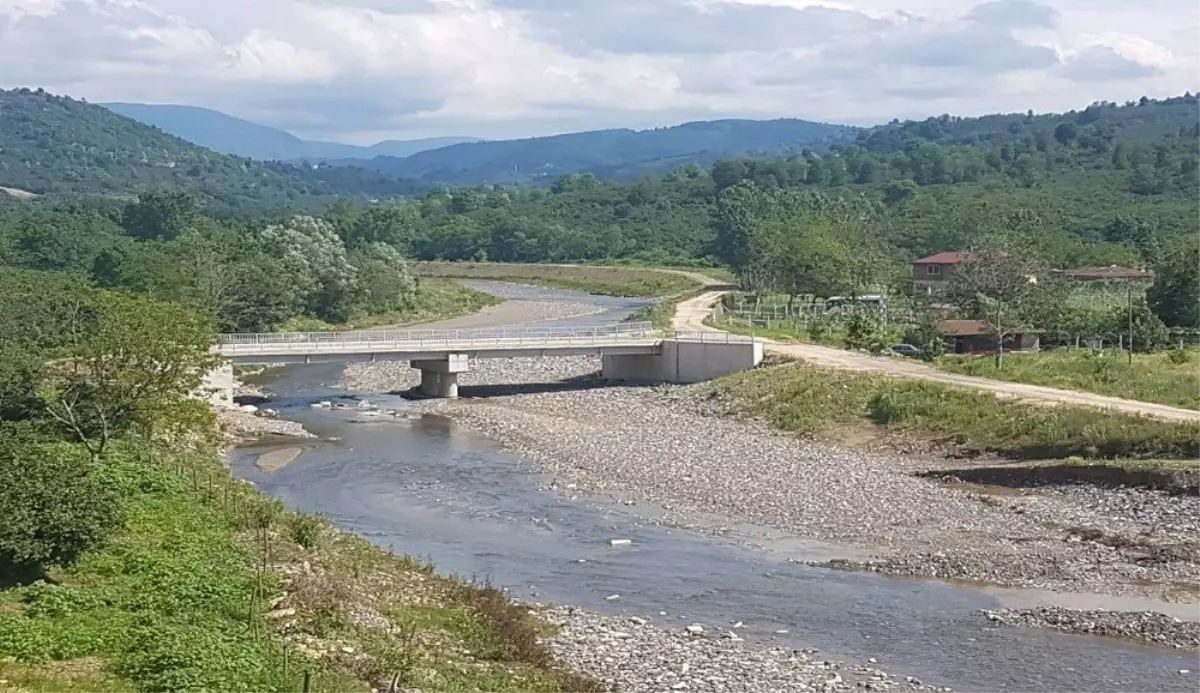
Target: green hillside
pixel 54 144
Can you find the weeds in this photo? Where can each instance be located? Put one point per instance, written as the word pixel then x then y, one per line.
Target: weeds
pixel 811 400
pixel 305 530
pixel 177 600
pixel 1172 378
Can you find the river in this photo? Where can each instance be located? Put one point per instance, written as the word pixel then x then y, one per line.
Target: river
pixel 425 487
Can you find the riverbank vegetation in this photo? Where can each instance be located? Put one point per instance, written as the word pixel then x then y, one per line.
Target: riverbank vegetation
pixel 634 282
pixel 432 300
pixel 130 559
pixel 1171 378
pixel 809 400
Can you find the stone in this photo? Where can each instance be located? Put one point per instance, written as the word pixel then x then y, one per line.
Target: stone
pixel 612 597
pixel 695 629
pixel 281 613
pixel 620 542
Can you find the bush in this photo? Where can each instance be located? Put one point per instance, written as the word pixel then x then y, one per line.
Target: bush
pixel 55 504
pixel 305 530
pixel 1178 356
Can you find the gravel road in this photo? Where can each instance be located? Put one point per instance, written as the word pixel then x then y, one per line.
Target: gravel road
pixel 691 314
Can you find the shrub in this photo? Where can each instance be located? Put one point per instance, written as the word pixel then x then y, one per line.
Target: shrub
pixel 1178 356
pixel 305 530
pixel 55 506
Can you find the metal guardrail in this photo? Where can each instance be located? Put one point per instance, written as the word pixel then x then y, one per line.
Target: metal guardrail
pixel 419 340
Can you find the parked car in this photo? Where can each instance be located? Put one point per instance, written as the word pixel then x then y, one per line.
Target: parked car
pixel 906 350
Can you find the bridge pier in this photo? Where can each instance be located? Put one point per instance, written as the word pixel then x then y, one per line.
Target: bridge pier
pixel 439 377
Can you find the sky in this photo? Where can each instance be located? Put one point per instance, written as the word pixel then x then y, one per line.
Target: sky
pixel 361 71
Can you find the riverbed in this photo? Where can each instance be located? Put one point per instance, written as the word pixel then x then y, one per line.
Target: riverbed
pixel 426 486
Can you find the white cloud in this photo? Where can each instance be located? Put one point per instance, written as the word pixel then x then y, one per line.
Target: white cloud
pixel 361 69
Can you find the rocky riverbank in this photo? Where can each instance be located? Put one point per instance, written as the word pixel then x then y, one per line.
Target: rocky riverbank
pixel 632 655
pixel 674 447
pixel 1144 626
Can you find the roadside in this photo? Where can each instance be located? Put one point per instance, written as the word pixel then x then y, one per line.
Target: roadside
pixel 692 315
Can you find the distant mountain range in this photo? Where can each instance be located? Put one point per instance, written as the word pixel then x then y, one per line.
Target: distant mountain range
pixel 229 135
pixel 621 154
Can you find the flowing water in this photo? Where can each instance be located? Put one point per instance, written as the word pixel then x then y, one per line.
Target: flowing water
pixel 426 487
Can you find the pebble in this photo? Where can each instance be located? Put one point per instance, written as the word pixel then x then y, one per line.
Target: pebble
pixel 1146 626
pixel 653 660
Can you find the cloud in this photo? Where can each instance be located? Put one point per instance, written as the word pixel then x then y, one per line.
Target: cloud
pixel 1102 64
pixel 1013 14
pixel 361 69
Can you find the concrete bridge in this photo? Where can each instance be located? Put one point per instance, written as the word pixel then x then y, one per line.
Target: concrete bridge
pixel 631 352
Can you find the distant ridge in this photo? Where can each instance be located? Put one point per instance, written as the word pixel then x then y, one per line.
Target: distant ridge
pixel 230 135
pixel 620 154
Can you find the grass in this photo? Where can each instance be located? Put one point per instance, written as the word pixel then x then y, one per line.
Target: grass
pixel 635 282
pixel 436 299
pixel 810 400
pixel 827 335
pixel 179 599
pixel 1151 378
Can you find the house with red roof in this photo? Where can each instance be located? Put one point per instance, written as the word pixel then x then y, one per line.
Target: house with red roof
pixel 935 272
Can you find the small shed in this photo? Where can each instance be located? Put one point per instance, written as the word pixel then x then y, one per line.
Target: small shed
pixel 976 337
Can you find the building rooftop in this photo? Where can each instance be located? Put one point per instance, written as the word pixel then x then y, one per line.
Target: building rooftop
pixel 947 258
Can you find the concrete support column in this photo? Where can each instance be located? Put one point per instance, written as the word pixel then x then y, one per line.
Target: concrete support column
pixel 439 377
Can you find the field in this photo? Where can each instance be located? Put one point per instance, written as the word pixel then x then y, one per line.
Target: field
pixel 199 590
pixel 1171 378
pixel 637 282
pixel 815 401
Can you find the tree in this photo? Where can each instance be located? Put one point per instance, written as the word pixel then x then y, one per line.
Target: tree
pixel 998 284
pixel 134 364
pixel 160 214
pixel 55 506
pixel 1175 295
pixel 1066 133
pixel 314 257
pixel 384 280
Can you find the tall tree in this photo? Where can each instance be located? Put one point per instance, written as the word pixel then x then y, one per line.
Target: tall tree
pixel 998 284
pixel 134 365
pixel 1175 295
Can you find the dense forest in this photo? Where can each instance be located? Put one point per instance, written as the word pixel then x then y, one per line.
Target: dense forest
pixel 53 144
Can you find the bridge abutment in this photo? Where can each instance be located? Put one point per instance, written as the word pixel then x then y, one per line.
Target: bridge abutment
pixel 439 377
pixel 683 361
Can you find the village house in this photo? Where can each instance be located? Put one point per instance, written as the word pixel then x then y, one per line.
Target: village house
pixel 930 274
pixel 976 337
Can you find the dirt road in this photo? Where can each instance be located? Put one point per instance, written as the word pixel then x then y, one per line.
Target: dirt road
pixel 690 315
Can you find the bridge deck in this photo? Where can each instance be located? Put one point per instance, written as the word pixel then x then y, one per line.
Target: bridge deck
pixel 312 347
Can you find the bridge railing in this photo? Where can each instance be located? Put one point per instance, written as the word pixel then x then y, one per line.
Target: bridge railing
pixel 434 339
pixel 430 337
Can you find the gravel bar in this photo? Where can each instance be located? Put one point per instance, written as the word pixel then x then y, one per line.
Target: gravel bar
pixel 679 449
pixel 634 656
pixel 1145 626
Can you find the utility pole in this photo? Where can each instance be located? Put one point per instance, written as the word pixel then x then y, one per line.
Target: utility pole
pixel 1129 301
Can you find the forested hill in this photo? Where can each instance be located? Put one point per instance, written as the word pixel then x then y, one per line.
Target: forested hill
pixel 53 144
pixel 1135 121
pixel 614 154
